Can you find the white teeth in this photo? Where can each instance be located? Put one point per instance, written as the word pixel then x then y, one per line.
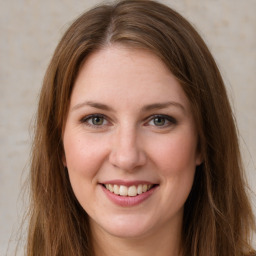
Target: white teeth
pixel 144 188
pixel 128 191
pixel 111 188
pixel 116 189
pixel 123 191
pixel 139 189
pixel 132 191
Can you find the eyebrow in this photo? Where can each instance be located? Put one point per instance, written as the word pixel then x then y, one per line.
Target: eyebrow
pixel 154 106
pixel 92 104
pixel 163 105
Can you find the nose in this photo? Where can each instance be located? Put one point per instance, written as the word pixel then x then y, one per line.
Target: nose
pixel 126 150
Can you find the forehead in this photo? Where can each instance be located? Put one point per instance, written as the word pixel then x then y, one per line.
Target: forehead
pixel 119 73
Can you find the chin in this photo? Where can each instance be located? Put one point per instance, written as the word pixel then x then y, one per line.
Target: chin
pixel 126 232
pixel 126 226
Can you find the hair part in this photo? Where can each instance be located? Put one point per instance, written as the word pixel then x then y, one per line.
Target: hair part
pixel 218 219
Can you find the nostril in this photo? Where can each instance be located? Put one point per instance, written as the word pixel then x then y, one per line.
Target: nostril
pixel 128 161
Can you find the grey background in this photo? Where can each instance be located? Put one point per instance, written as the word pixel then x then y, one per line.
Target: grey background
pixel 29 32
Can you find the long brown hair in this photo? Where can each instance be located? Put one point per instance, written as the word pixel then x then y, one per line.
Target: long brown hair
pixel 218 219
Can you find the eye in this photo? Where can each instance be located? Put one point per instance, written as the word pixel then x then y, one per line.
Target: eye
pixel 159 121
pixel 162 121
pixel 95 120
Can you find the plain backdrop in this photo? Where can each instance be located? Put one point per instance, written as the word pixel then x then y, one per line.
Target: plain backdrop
pixel 29 33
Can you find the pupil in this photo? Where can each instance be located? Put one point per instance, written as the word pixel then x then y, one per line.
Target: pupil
pixel 97 120
pixel 159 121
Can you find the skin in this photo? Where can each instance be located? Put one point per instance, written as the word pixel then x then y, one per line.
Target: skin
pixel 129 143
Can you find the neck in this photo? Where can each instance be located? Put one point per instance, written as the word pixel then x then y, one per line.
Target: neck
pixel 162 243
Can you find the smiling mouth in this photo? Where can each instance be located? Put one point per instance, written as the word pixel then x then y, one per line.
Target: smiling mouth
pixel 133 190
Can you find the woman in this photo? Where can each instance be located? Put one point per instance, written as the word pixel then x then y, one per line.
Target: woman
pixel 136 151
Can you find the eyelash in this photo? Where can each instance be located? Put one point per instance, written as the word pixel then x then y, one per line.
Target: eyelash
pixel 168 120
pixel 85 120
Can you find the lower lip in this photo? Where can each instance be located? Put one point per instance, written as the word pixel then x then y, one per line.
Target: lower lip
pixel 128 201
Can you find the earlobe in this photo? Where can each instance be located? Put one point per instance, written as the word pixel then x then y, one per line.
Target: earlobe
pixel 199 155
pixel 62 154
pixel 199 159
pixel 64 160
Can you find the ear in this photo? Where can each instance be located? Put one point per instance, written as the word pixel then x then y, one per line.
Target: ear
pixel 199 155
pixel 64 162
pixel 62 152
pixel 199 159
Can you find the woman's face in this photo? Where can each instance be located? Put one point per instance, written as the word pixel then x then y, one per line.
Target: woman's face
pixel 130 143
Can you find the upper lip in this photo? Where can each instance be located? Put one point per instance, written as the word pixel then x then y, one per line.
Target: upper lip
pixel 127 183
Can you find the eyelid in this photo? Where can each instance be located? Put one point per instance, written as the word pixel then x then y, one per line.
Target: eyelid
pixel 170 119
pixel 84 120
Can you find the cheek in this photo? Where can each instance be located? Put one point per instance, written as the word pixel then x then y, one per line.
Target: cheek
pixel 174 158
pixel 175 154
pixel 83 155
pixel 84 158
